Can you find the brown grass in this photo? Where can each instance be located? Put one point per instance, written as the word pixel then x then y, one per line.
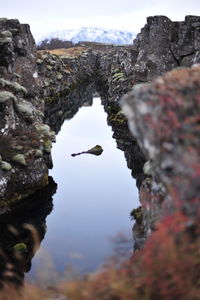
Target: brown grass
pixel 75 51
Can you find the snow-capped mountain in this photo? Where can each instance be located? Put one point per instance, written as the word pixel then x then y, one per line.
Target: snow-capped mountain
pixel 92 34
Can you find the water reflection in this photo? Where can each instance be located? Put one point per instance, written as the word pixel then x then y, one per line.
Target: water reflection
pixel 94 198
pixel 21 232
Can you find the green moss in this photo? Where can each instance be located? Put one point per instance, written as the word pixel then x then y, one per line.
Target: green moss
pixel 117 76
pixel 5 166
pixel 20 247
pixel 118 118
pixel 20 159
pixel 5 40
pixel 43 129
pixel 19 88
pixel 97 150
pixel 4 82
pixel 137 214
pixel 59 76
pixel 2 20
pixel 46 83
pixel 147 168
pixel 5 96
pixel 24 108
pixel 38 153
pixel 13 85
pixel 39 61
pixel 6 33
pixel 47 146
pixel 49 67
pixel 18 147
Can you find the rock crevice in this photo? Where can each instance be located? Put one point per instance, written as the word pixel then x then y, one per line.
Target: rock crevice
pixel 40 89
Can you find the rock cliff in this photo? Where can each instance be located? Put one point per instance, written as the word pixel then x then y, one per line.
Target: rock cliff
pixel 39 89
pixel 164 117
pixel 30 84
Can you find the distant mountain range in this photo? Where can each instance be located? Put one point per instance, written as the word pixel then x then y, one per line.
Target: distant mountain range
pixel 92 34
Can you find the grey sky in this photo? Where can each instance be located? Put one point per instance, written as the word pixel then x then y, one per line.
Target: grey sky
pixel 48 16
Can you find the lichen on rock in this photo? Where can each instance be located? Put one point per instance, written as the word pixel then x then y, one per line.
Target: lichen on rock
pixel 5 166
pixel 5 96
pixel 24 107
pixel 20 159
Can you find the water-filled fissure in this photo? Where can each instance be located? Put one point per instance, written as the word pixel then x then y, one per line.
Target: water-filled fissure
pixel 94 198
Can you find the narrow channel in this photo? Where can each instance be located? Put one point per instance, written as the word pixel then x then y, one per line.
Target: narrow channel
pixel 94 197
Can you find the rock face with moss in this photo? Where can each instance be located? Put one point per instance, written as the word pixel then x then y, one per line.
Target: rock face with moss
pixel 21 169
pixel 164 117
pixel 18 241
pixel 40 89
pixel 31 83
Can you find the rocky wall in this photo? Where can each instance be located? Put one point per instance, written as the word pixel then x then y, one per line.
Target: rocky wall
pixel 164 117
pixel 32 84
pixel 38 90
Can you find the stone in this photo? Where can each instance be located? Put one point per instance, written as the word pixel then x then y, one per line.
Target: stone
pixel 97 150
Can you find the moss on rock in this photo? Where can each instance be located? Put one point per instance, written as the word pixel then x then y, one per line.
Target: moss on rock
pixel 20 159
pixel 24 108
pixel 20 247
pixel 19 88
pixel 137 214
pixel 43 129
pixel 5 96
pixel 6 33
pixel 147 168
pixel 5 40
pixel 5 166
pixel 47 146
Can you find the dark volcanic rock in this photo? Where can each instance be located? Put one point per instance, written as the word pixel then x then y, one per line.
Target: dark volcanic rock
pixel 35 87
pixel 22 230
pixel 164 117
pixel 163 45
pixel 39 90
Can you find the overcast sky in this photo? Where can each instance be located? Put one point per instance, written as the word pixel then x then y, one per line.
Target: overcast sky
pixel 46 16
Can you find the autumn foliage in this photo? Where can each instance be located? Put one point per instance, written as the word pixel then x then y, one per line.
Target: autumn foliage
pixel 167 268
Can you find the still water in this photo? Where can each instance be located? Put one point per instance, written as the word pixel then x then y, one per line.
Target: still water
pixel 94 197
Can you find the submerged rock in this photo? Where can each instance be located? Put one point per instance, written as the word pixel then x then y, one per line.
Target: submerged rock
pixel 97 150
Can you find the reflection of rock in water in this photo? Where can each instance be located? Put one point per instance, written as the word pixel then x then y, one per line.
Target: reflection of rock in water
pixel 21 233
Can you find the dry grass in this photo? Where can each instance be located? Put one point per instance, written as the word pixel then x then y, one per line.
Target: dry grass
pixel 75 51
